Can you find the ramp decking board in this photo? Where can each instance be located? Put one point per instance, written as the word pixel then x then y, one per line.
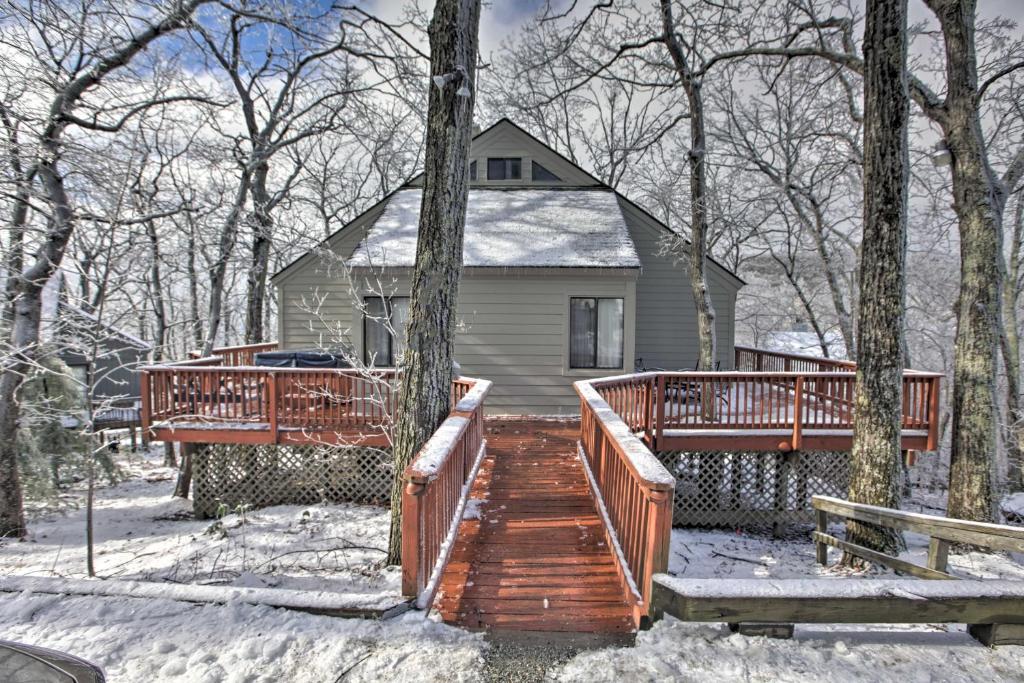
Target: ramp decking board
pixel 536 558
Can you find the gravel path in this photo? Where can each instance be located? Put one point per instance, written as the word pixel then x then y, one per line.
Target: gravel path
pixel 511 662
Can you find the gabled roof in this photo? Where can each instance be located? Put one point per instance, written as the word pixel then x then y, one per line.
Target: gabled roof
pixel 503 122
pixel 522 228
pixel 72 317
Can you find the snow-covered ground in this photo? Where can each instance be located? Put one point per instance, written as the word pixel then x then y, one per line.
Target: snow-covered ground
pixel 698 554
pixel 674 651
pixel 677 651
pixel 142 534
pixel 143 641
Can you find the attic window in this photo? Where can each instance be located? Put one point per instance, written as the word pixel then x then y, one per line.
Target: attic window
pixel 543 174
pixel 472 170
pixel 506 168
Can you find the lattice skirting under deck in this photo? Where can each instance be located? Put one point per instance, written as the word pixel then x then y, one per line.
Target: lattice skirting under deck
pixel 226 476
pixel 753 490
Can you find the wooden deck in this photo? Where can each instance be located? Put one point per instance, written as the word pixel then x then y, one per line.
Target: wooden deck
pixel 537 558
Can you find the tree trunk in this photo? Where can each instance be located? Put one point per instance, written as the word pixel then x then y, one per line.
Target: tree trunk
pixel 25 340
pixel 876 456
pixel 184 481
pixel 219 271
pixel 707 339
pixel 260 261
pixel 15 259
pixel 196 325
pixel 156 282
pixel 425 394
pixel 1011 356
pixel 805 302
pixel 975 413
pixel 835 289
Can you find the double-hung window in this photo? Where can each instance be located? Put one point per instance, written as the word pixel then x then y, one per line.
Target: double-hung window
pixel 384 322
pixel 595 332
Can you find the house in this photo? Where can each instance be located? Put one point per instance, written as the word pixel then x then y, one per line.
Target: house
pixel 104 361
pixel 564 279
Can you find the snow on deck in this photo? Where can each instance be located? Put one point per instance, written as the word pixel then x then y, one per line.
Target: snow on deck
pixel 512 228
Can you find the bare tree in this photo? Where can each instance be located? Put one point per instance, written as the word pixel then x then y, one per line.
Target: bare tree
pixel 808 149
pixel 875 460
pixel 1010 340
pixel 75 67
pixel 979 200
pixel 426 371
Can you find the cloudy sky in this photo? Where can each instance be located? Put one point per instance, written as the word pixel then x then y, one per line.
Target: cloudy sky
pixel 502 18
pixel 499 18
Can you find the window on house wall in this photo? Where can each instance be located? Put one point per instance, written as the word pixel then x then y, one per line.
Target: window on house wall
pixel 543 174
pixel 505 168
pixel 472 170
pixel 383 316
pixel 595 332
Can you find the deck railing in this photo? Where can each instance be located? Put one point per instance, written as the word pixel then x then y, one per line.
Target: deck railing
pixel 633 489
pixel 438 482
pixel 190 395
pixel 622 417
pixel 241 355
pixel 805 399
pixel 225 390
pixel 761 360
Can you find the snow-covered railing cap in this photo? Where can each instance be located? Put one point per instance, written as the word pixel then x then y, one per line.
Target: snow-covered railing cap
pixel 643 463
pixel 198 362
pixel 474 397
pixel 436 450
pixel 442 443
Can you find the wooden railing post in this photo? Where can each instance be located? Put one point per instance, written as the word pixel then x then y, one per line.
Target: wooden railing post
pixel 412 508
pixel 798 405
pixel 821 525
pixel 144 410
pixel 938 554
pixel 659 539
pixel 647 409
pixel 933 415
pixel 659 398
pixel 272 406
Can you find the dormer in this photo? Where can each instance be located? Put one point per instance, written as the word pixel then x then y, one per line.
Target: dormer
pixel 505 155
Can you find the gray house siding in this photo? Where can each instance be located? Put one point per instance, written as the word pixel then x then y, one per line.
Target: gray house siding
pixel 313 298
pixel 512 329
pixel 115 371
pixel 666 327
pixel 505 140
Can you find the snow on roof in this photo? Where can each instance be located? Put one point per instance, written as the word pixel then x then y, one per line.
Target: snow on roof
pixel 131 339
pixel 512 228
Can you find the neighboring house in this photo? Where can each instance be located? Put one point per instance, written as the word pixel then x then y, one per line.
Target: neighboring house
pixel 563 279
pixel 99 353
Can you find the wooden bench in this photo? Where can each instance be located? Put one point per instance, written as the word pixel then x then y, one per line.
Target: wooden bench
pixel 941 532
pixel 992 609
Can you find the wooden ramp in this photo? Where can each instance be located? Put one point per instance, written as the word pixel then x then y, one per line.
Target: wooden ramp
pixel 536 558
